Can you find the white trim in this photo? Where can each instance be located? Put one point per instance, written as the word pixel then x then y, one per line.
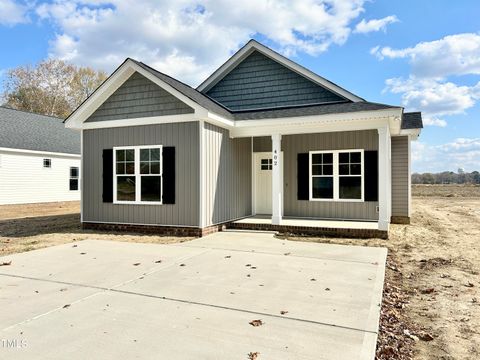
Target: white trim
pixel 35 152
pixel 201 135
pixel 253 45
pixel 409 176
pixel 138 176
pixel 253 180
pixel 167 119
pixel 277 179
pixel 336 175
pixel 384 180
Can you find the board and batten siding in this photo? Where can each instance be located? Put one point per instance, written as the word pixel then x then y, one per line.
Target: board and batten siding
pixel 23 179
pixel 139 97
pixel 400 174
pixel 227 174
pixel 260 82
pixel 183 136
pixel 295 144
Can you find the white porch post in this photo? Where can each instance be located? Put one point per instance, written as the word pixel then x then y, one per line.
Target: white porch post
pixel 384 178
pixel 277 180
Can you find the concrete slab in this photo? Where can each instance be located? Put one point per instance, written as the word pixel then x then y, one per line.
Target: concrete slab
pixel 199 310
pixel 323 223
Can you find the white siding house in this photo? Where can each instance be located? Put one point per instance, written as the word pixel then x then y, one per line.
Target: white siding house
pixel 39 159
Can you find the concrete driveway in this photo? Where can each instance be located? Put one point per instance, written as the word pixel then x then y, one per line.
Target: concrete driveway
pixel 110 300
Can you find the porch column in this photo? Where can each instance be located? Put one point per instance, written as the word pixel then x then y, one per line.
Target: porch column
pixel 384 178
pixel 277 180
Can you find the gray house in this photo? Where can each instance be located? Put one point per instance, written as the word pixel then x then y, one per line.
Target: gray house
pixel 263 143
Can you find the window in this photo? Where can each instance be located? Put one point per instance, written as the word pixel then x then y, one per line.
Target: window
pixel 47 163
pixel 73 178
pixel 138 174
pixel 266 164
pixel 336 175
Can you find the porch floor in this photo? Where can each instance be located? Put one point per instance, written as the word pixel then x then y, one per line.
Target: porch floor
pixel 323 223
pixel 323 227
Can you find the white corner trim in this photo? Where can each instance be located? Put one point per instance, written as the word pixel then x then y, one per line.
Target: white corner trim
pixel 81 176
pixel 251 46
pixel 202 176
pixel 35 152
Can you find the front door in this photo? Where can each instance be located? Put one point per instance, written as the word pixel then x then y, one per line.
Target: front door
pixel 263 183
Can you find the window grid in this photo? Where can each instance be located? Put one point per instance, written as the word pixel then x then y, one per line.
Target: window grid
pixel 47 163
pixel 266 164
pixel 74 176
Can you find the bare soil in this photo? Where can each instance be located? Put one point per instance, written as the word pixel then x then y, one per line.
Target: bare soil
pixel 449 190
pixel 431 305
pixel 34 226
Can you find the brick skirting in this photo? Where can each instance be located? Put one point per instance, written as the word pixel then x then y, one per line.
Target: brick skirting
pixel 313 231
pixel 154 230
pixel 400 220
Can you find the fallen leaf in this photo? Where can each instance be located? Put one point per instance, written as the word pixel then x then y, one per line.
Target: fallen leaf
pixel 248 275
pixel 469 284
pixel 425 336
pixel 6 263
pixel 136 264
pixel 313 279
pixel 283 312
pixel 82 253
pixel 427 291
pixel 327 289
pixel 66 306
pixel 253 355
pixel 74 245
pixel 158 261
pixel 248 265
pixel 286 254
pixel 253 267
pixel 228 257
pixel 63 289
pixel 256 323
pixel 182 264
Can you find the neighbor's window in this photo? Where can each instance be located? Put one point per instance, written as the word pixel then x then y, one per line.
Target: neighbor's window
pixel 138 174
pixel 73 178
pixel 336 175
pixel 47 163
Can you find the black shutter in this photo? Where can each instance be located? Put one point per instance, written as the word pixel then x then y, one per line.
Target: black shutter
pixel 371 175
pixel 302 177
pixel 168 158
pixel 107 175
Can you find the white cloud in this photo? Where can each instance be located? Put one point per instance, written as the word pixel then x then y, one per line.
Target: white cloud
pixel 452 55
pixel 364 27
pixel 190 38
pixel 433 121
pixel 460 153
pixel 433 97
pixel 12 13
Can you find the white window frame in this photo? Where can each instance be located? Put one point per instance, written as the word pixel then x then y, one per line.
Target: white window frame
pixel 137 175
pixel 70 177
pixel 50 163
pixel 336 176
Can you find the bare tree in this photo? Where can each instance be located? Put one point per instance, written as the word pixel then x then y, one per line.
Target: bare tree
pixel 52 87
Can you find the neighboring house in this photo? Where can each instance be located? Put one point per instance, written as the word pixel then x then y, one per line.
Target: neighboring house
pixel 39 159
pixel 261 135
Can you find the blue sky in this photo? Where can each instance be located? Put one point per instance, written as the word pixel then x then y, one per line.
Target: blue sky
pixel 424 55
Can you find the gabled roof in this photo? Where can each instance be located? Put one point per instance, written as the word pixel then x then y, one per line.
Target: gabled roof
pixel 412 120
pixel 253 46
pixel 29 131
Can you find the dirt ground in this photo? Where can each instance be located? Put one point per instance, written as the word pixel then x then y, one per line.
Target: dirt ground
pixel 34 226
pixel 431 305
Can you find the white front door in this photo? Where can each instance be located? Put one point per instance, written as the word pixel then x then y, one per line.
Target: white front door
pixel 263 183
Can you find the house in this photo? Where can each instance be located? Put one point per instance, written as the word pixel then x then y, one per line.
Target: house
pixel 39 159
pixel 261 136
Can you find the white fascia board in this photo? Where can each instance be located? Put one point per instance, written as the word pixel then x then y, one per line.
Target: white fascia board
pixel 252 46
pixel 413 134
pixel 35 152
pixel 78 118
pixel 318 123
pixel 152 120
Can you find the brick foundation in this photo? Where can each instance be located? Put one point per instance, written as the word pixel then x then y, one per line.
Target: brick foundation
pixel 154 230
pixel 313 231
pixel 400 220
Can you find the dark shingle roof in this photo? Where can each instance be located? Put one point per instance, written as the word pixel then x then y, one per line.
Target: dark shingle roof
pixel 28 131
pixel 343 107
pixel 412 120
pixel 188 91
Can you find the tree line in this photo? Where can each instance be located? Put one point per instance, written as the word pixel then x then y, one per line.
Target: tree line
pixel 52 87
pixel 447 177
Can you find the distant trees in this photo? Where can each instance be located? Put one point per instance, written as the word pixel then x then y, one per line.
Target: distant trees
pixel 447 177
pixel 52 87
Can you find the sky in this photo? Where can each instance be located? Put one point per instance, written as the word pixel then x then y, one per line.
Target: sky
pixel 423 55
